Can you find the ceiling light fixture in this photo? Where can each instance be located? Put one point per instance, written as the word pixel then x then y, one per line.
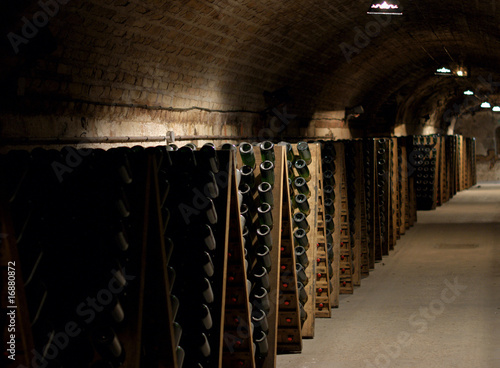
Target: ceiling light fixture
pixel 486 105
pixel 496 108
pixel 468 93
pixel 388 7
pixel 443 71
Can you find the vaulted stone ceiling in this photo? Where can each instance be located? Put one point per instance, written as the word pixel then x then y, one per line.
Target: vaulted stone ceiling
pixel 223 54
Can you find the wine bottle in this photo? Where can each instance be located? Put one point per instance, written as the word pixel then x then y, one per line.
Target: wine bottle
pixel 261 277
pixel 208 294
pixel 303 313
pixel 300 237
pixel 289 152
pixel 264 257
pixel 267 151
pixel 330 253
pixel 204 345
pixel 248 176
pixel 260 299
pixel 208 265
pixel 228 147
pixel 264 236
pixel 265 215
pixel 301 274
pixel 211 187
pixel 329 178
pixel 302 204
pixel 329 236
pixel 301 256
pixel 303 297
pixel 177 333
pixel 209 153
pixel 206 317
pixel 191 146
pixel 211 212
pixel 329 224
pixel 171 276
pixel 247 154
pixel 329 192
pixel 107 345
pixel 265 193
pixel 302 169
pixel 304 152
pixel 208 237
pixel 267 172
pixel 329 207
pixel 262 344
pixel 300 221
pixel 301 186
pixel 291 173
pixel 259 319
pixel 180 356
pixel 174 301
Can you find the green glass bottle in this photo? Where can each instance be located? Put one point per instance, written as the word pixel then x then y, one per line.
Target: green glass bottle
pixel 302 169
pixel 267 172
pixel 247 154
pixel 267 151
pixel 304 152
pixel 302 187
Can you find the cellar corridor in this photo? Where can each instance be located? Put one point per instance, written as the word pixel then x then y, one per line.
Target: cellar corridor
pixel 434 302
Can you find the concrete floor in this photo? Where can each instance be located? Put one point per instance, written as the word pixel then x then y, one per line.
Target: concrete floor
pixel 433 302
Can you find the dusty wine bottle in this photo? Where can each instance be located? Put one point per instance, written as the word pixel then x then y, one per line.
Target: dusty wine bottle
pixel 264 236
pixel 302 169
pixel 302 204
pixel 304 152
pixel 171 276
pixel 267 172
pixel 329 192
pixel 248 176
pixel 301 186
pixel 261 344
pixel 204 345
pixel 329 178
pixel 107 344
pixel 206 317
pixel 263 257
pixel 329 236
pixel 303 313
pixel 260 299
pixel 247 154
pixel 211 188
pixel 301 274
pixel 300 237
pixel 329 248
pixel 301 256
pixel 117 313
pixel 180 356
pixel 261 277
pixel 329 224
pixel 174 301
pixel 302 293
pixel 208 237
pixel 265 215
pixel 211 212
pixel 207 291
pixel 265 193
pixel 300 221
pixel 177 333
pixel 267 151
pixel 209 153
pixel 259 319
pixel 329 207
pixel 208 265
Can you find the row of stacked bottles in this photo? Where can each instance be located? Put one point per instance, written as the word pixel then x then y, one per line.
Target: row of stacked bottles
pixel 204 257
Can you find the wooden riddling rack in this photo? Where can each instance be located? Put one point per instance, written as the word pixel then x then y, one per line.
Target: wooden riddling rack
pixel 145 213
pixel 442 166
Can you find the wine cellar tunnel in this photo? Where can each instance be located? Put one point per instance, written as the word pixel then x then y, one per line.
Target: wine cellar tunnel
pixel 83 82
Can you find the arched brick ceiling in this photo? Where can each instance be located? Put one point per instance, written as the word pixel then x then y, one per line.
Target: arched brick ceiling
pixel 222 55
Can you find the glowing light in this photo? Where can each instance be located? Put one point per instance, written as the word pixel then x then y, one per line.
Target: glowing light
pixel 443 70
pixel 387 7
pixel 496 108
pixel 468 93
pixel 384 5
pixel 485 105
pixel 460 73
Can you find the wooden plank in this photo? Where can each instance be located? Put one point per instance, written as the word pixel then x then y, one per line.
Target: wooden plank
pixel 289 321
pixel 238 348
